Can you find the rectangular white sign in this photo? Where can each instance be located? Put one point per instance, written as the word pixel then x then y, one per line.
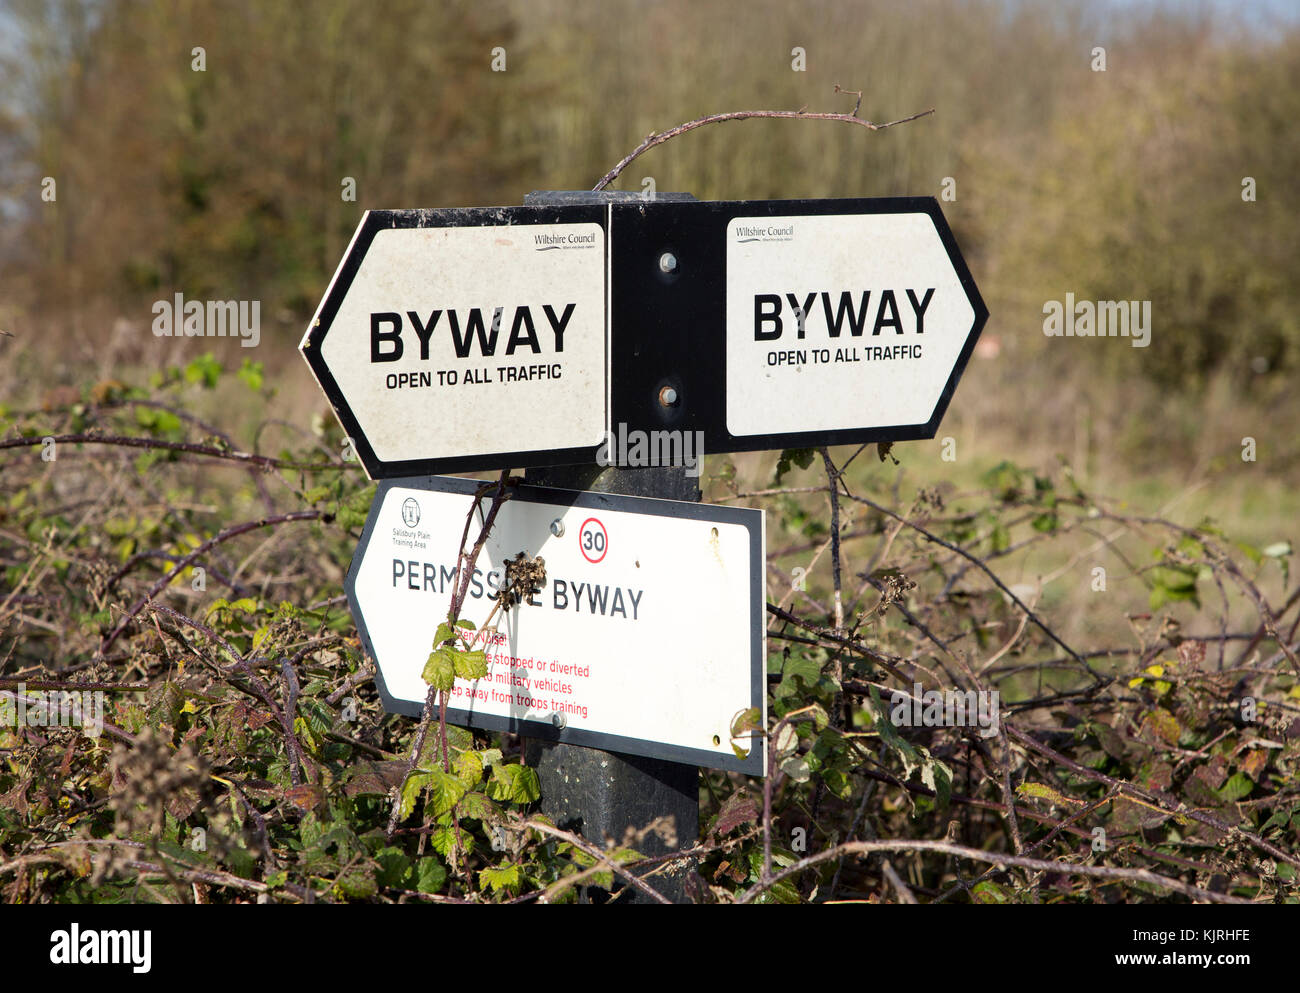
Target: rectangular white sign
pixel 647 637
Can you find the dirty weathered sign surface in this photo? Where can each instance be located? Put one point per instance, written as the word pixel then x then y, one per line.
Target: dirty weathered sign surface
pixel 789 323
pixel 841 320
pixel 470 339
pixel 467 339
pixel 646 638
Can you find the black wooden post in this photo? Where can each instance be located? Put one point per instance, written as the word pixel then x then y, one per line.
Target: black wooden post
pixel 599 793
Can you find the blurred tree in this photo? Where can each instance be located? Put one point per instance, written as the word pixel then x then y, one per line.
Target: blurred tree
pixel 1135 192
pixel 228 182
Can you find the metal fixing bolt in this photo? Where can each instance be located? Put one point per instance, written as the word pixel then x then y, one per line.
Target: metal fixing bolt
pixel 557 528
pixel 668 262
pixel 559 720
pixel 667 397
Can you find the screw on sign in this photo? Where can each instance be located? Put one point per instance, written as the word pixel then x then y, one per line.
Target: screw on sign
pixel 593 540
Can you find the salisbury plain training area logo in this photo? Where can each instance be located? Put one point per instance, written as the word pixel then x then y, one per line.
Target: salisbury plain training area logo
pixel 410 512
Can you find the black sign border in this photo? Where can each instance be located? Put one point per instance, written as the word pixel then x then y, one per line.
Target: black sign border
pixel 371 224
pixel 751 519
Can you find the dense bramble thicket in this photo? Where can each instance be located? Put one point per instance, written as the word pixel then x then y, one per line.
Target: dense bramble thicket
pixel 195 581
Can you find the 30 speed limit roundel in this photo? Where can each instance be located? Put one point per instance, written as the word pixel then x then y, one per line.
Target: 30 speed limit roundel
pixel 593 540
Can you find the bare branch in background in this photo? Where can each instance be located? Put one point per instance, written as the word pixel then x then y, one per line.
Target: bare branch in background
pixel 659 137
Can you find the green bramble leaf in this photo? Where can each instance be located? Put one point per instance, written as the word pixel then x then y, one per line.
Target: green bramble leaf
pixel 745 721
pixel 1172 583
pixel 458 738
pixel 987 892
pixel 500 878
pixel 204 370
pixel 782 892
pixel 440 670
pixel 742 725
pixel 938 777
pixel 317 715
pixel 797 769
pixel 445 791
pixel 889 735
pixel 604 879
pixel 802 457
pixel 411 788
pixel 1006 479
pixel 468 768
pixel 250 374
pixel 469 665
pixel 820 718
pixel 475 806
pixel 157 422
pixel 799 667
pixel 430 875
pixel 353 510
pixel 999 537
pixel 1046 522
pixel 356 884
pixel 1043 792
pixel 1238 787
pixel 514 784
pixel 443 837
pixel 787 741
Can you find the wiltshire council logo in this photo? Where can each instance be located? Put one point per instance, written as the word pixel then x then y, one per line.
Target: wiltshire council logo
pixel 770 232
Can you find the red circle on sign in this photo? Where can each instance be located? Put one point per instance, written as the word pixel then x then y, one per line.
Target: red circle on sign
pixel 593 542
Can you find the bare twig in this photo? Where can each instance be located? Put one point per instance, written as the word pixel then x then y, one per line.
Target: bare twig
pixel 431 702
pixel 930 536
pixel 175 570
pixel 978 855
pixel 599 855
pixel 833 477
pixel 659 137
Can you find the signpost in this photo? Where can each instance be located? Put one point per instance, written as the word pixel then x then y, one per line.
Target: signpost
pixel 469 339
pixel 547 337
pixel 601 793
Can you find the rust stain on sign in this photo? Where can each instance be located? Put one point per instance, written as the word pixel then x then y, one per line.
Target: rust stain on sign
pixel 715 546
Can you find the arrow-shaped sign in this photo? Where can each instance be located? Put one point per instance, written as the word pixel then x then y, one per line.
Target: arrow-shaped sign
pixel 457 340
